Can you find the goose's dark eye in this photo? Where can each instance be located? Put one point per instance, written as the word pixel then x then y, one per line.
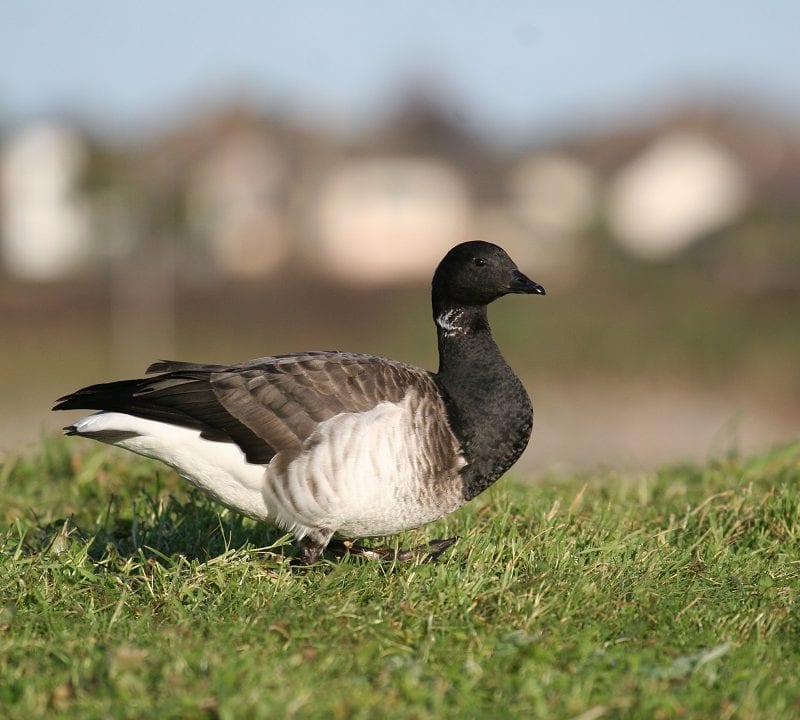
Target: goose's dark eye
pixel 479 262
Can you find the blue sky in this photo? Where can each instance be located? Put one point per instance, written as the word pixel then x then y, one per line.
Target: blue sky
pixel 510 68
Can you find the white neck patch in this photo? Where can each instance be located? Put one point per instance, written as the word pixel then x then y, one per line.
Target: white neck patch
pixel 450 322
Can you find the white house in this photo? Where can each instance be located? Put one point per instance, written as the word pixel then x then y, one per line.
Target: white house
pixel 684 186
pixel 45 222
pixel 390 219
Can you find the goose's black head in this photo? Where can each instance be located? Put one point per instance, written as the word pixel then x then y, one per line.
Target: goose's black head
pixel 476 273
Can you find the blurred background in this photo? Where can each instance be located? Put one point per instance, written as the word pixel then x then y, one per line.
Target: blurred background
pixel 216 182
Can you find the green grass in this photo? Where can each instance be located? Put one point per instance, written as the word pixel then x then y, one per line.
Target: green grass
pixel 674 594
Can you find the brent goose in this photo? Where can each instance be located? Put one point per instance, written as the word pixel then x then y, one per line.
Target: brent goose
pixel 332 442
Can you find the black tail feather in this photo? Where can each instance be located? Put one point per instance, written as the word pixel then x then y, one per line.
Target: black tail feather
pixel 99 397
pixel 183 397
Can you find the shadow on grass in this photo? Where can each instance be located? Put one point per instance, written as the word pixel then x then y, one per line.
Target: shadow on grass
pixel 123 507
pixel 162 531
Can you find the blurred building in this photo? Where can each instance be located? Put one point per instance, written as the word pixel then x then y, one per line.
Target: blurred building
pixel 232 189
pixel 45 222
pixel 552 201
pixel 235 202
pixel 678 190
pixel 554 194
pixel 389 219
pixel 236 193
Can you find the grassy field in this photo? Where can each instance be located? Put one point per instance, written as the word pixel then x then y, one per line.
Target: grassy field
pixel 674 594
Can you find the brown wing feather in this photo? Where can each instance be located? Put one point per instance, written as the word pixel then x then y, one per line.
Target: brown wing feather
pixel 282 400
pixel 265 406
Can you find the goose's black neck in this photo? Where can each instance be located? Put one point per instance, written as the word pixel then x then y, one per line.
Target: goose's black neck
pixel 488 408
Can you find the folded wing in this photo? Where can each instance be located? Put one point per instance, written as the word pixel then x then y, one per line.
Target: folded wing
pixel 264 406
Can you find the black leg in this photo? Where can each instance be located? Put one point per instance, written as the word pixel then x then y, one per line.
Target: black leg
pixel 428 552
pixel 312 545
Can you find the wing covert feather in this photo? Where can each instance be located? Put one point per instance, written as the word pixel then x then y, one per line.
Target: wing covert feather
pixel 283 399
